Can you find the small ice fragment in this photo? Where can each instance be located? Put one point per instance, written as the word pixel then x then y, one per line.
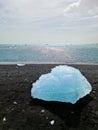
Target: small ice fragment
pixel 42 111
pixel 62 84
pixel 4 119
pixel 20 64
pixel 15 103
pixel 52 122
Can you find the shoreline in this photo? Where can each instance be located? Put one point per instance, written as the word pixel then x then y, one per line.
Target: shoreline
pixel 18 111
pixel 46 63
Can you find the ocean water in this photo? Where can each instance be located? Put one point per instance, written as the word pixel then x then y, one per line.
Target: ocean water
pixel 67 53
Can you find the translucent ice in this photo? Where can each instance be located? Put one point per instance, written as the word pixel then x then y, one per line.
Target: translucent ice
pixel 63 83
pixel 20 64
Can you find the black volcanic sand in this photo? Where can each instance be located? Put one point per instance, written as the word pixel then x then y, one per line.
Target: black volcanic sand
pixel 18 111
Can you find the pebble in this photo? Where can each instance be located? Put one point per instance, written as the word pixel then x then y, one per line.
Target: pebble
pixel 96 113
pixel 23 110
pixel 26 79
pixel 31 81
pixel 52 122
pixel 95 98
pixel 16 67
pixel 47 117
pixel 72 112
pixel 12 109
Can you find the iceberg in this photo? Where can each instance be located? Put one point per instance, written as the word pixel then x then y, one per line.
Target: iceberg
pixel 63 84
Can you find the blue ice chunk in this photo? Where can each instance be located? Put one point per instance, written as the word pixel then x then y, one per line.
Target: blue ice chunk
pixel 63 84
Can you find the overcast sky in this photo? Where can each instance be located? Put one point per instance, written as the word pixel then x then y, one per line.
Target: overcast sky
pixel 48 21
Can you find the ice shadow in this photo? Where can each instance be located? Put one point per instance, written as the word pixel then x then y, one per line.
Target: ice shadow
pixel 70 113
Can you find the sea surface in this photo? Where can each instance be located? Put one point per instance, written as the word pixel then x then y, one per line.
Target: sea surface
pixel 67 53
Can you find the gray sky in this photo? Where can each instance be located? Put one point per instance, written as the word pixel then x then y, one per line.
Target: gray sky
pixel 48 21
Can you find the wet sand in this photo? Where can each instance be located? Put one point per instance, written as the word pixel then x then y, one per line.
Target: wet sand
pixel 18 111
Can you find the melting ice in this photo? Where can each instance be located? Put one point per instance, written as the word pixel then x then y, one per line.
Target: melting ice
pixel 63 84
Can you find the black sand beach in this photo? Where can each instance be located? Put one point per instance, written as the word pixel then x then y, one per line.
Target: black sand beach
pixel 18 111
